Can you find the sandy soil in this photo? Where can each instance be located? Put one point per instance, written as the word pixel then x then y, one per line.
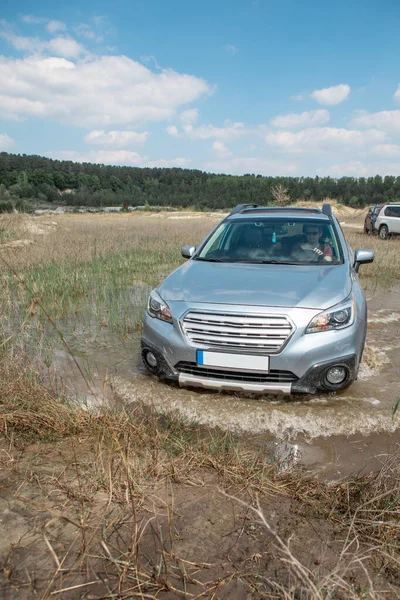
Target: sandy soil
pixel 62 532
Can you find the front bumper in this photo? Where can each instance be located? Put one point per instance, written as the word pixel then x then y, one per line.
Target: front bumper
pixel 281 382
pixel 299 368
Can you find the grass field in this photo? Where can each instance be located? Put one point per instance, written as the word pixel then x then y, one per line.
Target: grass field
pixel 118 504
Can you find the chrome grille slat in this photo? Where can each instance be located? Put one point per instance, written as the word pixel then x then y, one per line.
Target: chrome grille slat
pixel 236 339
pixel 236 320
pixel 245 332
pixel 232 330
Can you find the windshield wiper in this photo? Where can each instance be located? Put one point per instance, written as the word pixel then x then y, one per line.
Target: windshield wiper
pixel 267 262
pixel 210 259
pixel 277 262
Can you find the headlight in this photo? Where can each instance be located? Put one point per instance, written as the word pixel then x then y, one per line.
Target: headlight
pixel 338 317
pixel 157 308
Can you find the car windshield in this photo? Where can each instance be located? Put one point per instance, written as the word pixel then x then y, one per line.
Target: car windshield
pixel 273 240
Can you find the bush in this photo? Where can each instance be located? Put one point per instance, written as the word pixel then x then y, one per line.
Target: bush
pixel 22 205
pixel 6 206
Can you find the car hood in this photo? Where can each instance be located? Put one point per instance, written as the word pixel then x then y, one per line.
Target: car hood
pixel 303 286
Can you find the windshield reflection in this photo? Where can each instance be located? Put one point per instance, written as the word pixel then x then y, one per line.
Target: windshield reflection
pixel 273 241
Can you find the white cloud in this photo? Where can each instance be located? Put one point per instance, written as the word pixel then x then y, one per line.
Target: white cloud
pixel 229 131
pixel 59 46
pixel 231 49
pixel 65 46
pixel 31 20
pixel 6 142
pixel 221 150
pixel 263 166
pixel 324 139
pixel 118 157
pixel 116 139
pixel 297 97
pixel 189 116
pixel 306 119
pixel 172 130
pixel 150 59
pixel 385 150
pixel 99 91
pixel 99 21
pixel 387 120
pixel 360 169
pixel 173 162
pixel 54 26
pixel 86 31
pixel 332 95
pixel 24 44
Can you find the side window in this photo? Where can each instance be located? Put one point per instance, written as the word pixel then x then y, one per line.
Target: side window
pixel 396 211
pixel 216 241
pixel 392 211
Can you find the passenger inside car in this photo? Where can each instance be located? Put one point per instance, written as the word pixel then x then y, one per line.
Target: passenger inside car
pixel 252 244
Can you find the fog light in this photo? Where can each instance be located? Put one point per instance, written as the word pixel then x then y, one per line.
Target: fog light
pixel 336 375
pixel 151 360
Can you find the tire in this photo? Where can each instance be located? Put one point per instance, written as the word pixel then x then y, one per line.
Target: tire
pixel 384 232
pixel 366 230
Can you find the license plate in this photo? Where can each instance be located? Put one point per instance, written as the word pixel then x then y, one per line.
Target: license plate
pixel 240 362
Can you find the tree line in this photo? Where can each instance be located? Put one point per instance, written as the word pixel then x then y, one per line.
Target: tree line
pixel 28 180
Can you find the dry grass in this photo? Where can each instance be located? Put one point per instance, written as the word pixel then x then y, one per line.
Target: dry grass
pixel 100 235
pixel 29 409
pixel 384 272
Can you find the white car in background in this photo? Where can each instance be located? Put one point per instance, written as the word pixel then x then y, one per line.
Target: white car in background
pixel 388 221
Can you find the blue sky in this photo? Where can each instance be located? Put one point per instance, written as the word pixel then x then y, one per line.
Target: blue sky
pixel 295 87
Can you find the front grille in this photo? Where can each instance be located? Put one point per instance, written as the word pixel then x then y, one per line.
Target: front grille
pixel 272 376
pixel 232 330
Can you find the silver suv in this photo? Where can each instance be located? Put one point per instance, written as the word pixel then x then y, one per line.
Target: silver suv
pixel 388 221
pixel 269 302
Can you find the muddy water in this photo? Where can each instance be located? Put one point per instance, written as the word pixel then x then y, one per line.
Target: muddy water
pixel 332 434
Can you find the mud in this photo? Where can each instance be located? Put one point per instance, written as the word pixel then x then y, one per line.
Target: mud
pixel 331 434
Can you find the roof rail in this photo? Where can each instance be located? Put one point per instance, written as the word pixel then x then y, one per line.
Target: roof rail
pixel 281 209
pixel 241 207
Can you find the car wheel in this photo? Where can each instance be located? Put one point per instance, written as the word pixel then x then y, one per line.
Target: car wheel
pixel 383 232
pixel 366 230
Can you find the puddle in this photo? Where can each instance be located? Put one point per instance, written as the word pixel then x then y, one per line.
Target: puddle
pixel 331 434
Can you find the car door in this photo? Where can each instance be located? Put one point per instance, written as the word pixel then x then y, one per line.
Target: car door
pixel 394 219
pixel 389 219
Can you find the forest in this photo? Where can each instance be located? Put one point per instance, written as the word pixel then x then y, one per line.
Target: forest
pixel 29 181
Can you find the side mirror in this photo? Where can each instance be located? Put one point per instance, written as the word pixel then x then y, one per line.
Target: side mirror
pixel 188 251
pixel 363 257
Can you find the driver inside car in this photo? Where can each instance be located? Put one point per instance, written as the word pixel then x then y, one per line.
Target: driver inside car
pixel 313 247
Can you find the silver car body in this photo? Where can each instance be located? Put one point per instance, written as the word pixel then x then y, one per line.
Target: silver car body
pixel 242 325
